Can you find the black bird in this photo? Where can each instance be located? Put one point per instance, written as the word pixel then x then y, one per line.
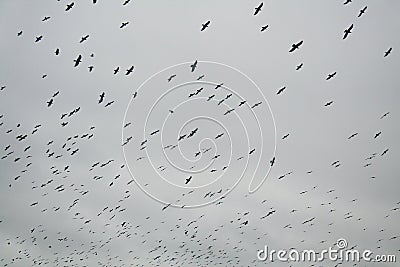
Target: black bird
pixel 252 151
pixel 353 135
pixel 210 97
pixel 181 137
pixel 387 52
pixel 129 71
pixel 347 31
pixel 102 95
pixel 258 9
pixel 384 115
pixel 90 68
pixel 218 86
pixel 109 104
pixel 385 151
pixel 263 28
pixel 272 161
pixel 57 52
pixel 228 111
pixel 188 179
pixel 219 135
pixel 299 66
pixel 50 102
pixel 45 18
pixel 242 103
pixel 193 66
pixel 285 136
pixel 205 25
pixel 78 60
pixel 116 70
pixel 38 38
pixel 256 104
pixel 329 103
pixel 84 38
pixel 347 2
pixel 171 77
pixel 153 133
pixel 69 6
pixel 331 75
pixel 124 24
pixel 377 135
pixel 281 90
pixel 295 46
pixel 362 11
pixel 126 2
pixel 19 33
pixel 200 77
pixel 56 93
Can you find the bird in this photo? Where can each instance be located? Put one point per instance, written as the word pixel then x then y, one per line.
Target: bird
pixel 50 102
pixel 258 8
pixel 200 77
pixel 281 90
pixel 210 97
pixel 295 46
pixel 352 136
pixel 362 11
pixel 256 104
pixel 57 52
pixel 126 2
pixel 263 28
pixel 78 60
pixel 218 86
pixel 129 71
pixel 109 104
pixel 347 31
pixel 228 111
pixel 272 161
pixel 188 179
pixel 285 136
pixel 384 115
pixel 124 24
pixel 19 33
pixel 242 103
pixel 387 52
pixel 193 66
pixel 116 70
pixel 328 103
pixel 299 66
pixel 84 38
pixel 45 18
pixel 171 77
pixel 347 2
pixel 69 6
pixel 377 135
pixel 90 68
pixel 154 132
pixel 205 25
pixel 38 38
pixel 331 75
pixel 102 95
pixel 219 135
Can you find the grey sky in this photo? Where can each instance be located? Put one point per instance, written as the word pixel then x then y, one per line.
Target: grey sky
pixel 165 33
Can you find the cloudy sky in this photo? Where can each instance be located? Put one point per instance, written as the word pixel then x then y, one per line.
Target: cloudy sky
pixel 87 180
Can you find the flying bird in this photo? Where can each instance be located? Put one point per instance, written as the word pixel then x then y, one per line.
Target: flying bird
pixel 84 38
pixel 69 6
pixel 124 24
pixel 193 66
pixel 295 46
pixel 102 95
pixel 78 60
pixel 205 25
pixel 387 52
pixel 362 11
pixel 331 75
pixel 129 71
pixel 263 28
pixel 281 90
pixel 299 66
pixel 258 9
pixel 347 31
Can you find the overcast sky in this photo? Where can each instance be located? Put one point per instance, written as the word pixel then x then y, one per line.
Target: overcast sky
pixel 72 195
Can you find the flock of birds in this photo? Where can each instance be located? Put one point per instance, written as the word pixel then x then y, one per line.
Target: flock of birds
pixel 159 240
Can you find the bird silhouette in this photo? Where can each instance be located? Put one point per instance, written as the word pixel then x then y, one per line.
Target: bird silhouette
pixel 362 11
pixel 347 31
pixel 193 66
pixel 387 52
pixel 205 25
pixel 295 46
pixel 258 8
pixel 78 60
